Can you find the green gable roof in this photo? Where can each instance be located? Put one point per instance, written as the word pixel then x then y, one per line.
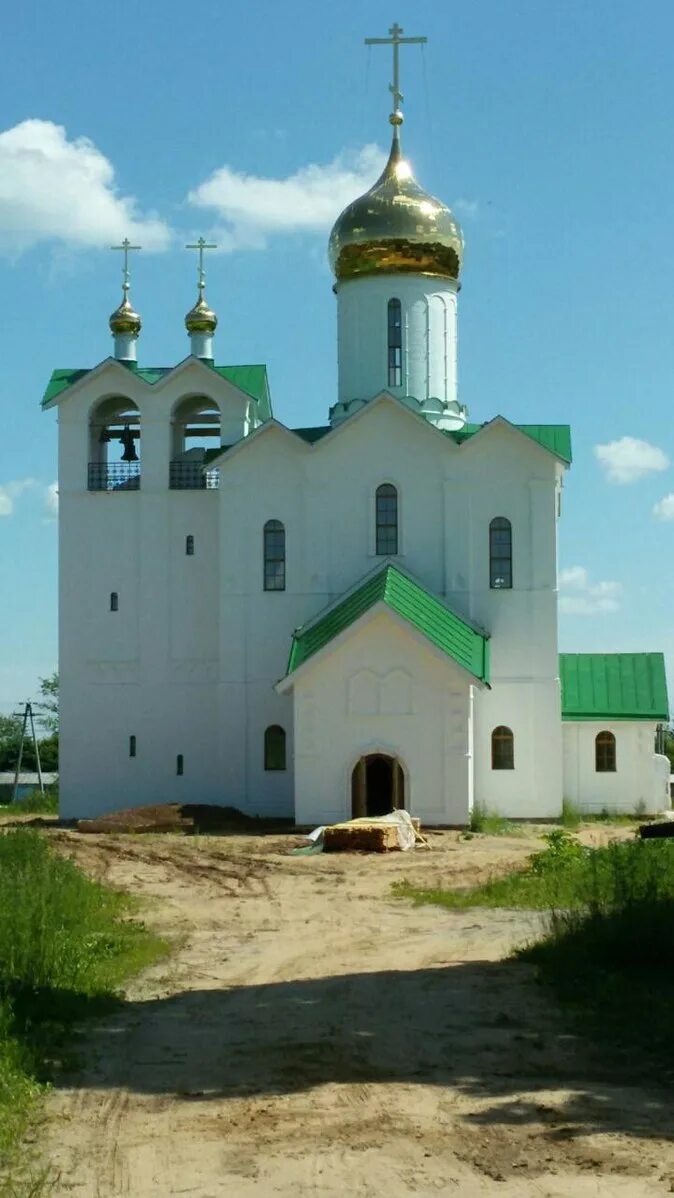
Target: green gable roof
pixel 60 381
pixel 251 379
pixel 618 686
pixel 419 607
pixel 554 437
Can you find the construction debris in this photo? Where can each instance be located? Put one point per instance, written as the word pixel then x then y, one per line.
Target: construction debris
pixel 381 834
pixel 187 818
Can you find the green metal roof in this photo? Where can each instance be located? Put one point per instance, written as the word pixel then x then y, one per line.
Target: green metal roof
pixel 419 607
pixel 251 379
pixel 617 686
pixel 554 437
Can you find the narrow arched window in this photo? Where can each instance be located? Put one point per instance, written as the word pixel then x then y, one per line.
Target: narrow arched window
pixel 114 601
pixel 274 556
pixel 502 749
pixel 387 519
pixel 395 344
pixel 180 765
pixel 189 545
pixel 274 748
pixel 604 753
pixel 132 746
pixel 500 554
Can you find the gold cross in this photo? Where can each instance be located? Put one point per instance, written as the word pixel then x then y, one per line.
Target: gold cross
pixel 126 246
pixel 201 245
pixel 396 41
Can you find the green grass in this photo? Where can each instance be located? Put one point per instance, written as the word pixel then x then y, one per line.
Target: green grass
pixel 571 815
pixel 610 959
pixel 558 876
pixel 608 952
pixel 490 823
pixel 66 945
pixel 34 803
pixel 608 816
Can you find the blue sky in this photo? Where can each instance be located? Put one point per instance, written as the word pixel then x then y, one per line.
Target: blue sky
pixel 547 126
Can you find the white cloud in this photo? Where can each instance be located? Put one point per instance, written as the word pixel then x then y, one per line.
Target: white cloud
pixel 51 500
pixel 11 491
pixel 629 459
pixel 664 508
pixel 581 597
pixel 255 208
pixel 53 189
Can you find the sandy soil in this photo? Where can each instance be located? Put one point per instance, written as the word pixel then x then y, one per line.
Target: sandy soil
pixel 310 1035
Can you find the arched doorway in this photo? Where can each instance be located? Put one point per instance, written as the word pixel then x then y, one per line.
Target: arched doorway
pixel 377 785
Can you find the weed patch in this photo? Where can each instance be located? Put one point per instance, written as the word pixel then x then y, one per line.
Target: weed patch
pixel 609 949
pixel 66 944
pixel 611 960
pixel 551 878
pixel 571 815
pixel 35 803
pixel 490 823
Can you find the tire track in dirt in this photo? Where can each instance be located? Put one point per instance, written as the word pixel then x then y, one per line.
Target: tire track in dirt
pixel 311 1036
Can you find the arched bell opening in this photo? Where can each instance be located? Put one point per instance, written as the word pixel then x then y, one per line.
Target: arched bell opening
pixel 114 445
pixel 377 786
pixel 195 440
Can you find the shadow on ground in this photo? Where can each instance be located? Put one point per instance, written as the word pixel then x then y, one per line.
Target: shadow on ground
pixel 481 1028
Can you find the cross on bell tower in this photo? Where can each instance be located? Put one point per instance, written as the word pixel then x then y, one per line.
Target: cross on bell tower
pixel 125 323
pixel 201 245
pixel 201 321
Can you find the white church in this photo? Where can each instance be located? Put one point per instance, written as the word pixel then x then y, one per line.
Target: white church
pixel 339 620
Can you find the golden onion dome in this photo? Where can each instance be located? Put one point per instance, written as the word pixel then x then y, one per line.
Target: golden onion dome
pixel 125 319
pixel 396 227
pixel 201 318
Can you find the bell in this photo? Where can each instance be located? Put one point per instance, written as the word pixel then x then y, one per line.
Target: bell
pixel 127 440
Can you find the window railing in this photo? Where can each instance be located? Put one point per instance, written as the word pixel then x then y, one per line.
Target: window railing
pixel 114 476
pixel 192 476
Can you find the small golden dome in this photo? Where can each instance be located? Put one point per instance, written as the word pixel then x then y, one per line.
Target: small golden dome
pixel 124 319
pixel 201 318
pixel 396 227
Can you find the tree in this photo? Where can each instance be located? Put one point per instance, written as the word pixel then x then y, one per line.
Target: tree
pixel 10 735
pixel 48 708
pixel 46 713
pixel 10 739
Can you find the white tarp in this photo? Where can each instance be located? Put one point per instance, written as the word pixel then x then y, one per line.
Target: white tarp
pixel 402 820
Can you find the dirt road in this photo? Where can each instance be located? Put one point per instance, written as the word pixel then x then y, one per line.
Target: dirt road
pixel 311 1036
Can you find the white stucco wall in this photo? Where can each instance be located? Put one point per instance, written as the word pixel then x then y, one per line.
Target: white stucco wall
pixel 150 669
pixel 531 709
pixel 429 335
pixel 382 689
pixel 641 777
pixel 189 662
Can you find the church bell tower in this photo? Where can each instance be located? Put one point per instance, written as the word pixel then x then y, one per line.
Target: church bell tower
pixel 396 254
